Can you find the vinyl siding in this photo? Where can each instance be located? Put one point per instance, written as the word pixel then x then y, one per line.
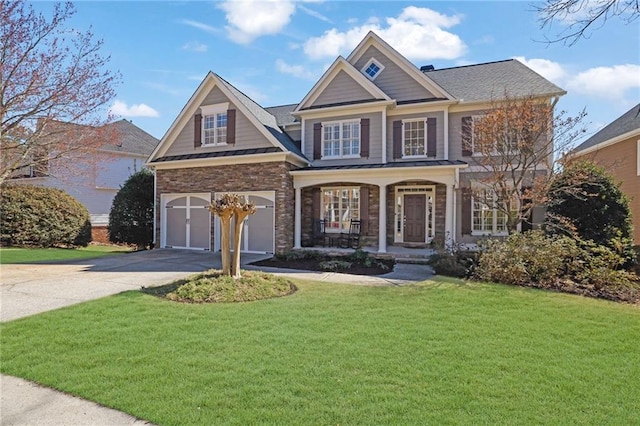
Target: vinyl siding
pixel 394 81
pixel 439 116
pixel 247 136
pixel 621 160
pixel 342 89
pixel 375 140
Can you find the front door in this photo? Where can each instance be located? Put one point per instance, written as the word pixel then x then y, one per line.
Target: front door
pixel 414 215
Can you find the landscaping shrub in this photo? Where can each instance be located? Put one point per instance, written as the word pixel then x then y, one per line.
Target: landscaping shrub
pixel 335 265
pixel 558 262
pixel 35 216
pixel 131 217
pixel 457 263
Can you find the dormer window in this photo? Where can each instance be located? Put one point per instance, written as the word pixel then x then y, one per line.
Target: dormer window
pixel 372 69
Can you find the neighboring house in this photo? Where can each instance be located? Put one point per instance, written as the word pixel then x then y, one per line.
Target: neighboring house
pixel 95 182
pixel 617 147
pixel 376 139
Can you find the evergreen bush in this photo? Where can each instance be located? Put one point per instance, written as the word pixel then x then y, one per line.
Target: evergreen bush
pixel 131 217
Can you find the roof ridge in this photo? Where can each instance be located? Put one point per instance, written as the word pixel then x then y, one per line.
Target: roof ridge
pixel 469 65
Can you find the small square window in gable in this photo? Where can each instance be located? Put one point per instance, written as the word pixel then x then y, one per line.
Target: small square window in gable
pixel 372 69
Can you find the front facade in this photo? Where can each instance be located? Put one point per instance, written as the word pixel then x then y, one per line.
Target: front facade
pixel 617 148
pixel 376 139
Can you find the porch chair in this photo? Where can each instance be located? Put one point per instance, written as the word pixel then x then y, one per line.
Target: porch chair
pixel 319 232
pixel 352 239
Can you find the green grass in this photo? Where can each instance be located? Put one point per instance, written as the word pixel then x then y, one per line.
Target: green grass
pixel 35 255
pixel 441 352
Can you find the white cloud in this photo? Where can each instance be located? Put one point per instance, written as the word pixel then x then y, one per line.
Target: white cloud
pixel 251 19
pixel 295 70
pixel 550 70
pixel 140 110
pixel 314 13
pixel 417 33
pixel 200 25
pixel 606 82
pixel 195 46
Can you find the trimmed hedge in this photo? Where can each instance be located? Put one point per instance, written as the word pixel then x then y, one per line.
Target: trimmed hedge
pixel 35 216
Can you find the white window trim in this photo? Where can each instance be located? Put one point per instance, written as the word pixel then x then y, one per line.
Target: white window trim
pixel 494 225
pixel 414 120
pixel 366 66
pixel 475 153
pixel 322 209
pixel 207 110
pixel 341 124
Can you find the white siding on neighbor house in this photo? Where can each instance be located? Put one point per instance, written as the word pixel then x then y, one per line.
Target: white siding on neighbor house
pixel 247 136
pixel 112 174
pixel 341 89
pixel 375 140
pixel 439 116
pixel 393 80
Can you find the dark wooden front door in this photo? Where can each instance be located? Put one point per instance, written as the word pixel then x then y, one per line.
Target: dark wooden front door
pixel 414 214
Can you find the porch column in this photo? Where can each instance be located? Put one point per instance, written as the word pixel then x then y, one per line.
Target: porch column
pixel 382 220
pixel 449 217
pixel 297 219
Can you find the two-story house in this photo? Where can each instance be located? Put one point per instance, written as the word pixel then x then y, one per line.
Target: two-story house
pixel 376 139
pixel 617 147
pixel 95 178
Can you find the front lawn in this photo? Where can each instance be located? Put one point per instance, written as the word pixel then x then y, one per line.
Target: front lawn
pixel 35 255
pixel 439 352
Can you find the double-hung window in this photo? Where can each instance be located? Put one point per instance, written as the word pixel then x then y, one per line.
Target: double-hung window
pixel 339 206
pixel 214 124
pixel 341 139
pixel 415 143
pixel 486 217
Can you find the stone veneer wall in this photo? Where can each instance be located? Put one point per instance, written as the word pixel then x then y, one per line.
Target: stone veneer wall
pixel 236 178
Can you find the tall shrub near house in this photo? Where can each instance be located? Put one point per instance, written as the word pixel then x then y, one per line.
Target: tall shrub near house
pixel 131 216
pixel 585 202
pixel 42 217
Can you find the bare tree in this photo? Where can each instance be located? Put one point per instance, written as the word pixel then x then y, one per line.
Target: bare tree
pixel 519 143
pixel 49 74
pixel 228 207
pixel 581 15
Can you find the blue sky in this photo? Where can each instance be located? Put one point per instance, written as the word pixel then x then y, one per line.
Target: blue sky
pixel 274 51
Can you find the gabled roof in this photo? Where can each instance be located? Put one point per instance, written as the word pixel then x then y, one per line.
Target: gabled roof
pixel 627 123
pixel 131 139
pixel 488 81
pixel 372 39
pixel 282 114
pixel 265 122
pixel 340 64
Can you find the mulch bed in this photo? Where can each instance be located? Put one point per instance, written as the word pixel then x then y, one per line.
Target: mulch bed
pixel 314 265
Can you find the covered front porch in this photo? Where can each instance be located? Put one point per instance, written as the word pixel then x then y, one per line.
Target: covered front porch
pixel 398 204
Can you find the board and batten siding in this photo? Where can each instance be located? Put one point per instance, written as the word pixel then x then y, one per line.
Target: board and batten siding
pixel 393 80
pixel 247 136
pixel 439 116
pixel 375 140
pixel 342 88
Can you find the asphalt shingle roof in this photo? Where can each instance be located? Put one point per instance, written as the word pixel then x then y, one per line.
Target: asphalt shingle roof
pixel 218 154
pixel 131 139
pixel 396 164
pixel 266 118
pixel 484 82
pixel 282 113
pixel 627 122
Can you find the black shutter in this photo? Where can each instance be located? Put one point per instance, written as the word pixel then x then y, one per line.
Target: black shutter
pixel 317 141
pixel 231 126
pixel 197 131
pixel 431 137
pixel 397 139
pixel 465 220
pixel 364 209
pixel 364 138
pixel 315 203
pixel 527 221
pixel 466 136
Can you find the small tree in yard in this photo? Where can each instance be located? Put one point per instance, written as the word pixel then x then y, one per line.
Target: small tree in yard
pixel 227 207
pixel 131 216
pixel 519 141
pixel 585 202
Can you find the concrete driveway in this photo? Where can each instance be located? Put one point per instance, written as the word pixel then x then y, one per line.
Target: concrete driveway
pixel 29 289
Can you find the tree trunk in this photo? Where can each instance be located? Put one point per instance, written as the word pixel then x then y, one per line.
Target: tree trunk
pixel 225 231
pixel 239 217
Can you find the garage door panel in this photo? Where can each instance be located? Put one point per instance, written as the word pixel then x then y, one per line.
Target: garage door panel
pixel 260 228
pixel 199 228
pixel 176 227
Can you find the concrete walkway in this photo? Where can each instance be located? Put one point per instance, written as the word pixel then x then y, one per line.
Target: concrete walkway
pixel 30 289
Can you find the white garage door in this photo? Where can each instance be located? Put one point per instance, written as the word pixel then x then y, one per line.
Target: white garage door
pixel 258 234
pixel 186 221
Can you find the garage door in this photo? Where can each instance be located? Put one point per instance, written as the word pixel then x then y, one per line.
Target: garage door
pixel 186 221
pixel 258 234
